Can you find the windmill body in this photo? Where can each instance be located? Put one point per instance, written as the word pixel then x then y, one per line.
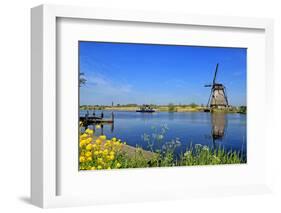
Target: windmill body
pixel 218 98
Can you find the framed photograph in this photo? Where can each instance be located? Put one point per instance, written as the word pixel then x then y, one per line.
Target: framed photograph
pixel 149 106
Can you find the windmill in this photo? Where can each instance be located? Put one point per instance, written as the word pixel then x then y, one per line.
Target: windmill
pixel 218 97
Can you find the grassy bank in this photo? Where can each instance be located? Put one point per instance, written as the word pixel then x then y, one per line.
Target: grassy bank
pixel 165 108
pixel 161 108
pixel 99 152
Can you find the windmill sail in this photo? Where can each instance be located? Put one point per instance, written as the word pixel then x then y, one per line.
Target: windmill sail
pixel 215 76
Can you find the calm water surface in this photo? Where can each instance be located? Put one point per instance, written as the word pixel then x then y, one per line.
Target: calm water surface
pixel 210 129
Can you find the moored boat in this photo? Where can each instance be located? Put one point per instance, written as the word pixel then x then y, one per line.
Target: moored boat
pixel 145 108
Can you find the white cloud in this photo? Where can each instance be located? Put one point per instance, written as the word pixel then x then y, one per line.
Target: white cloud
pixel 105 86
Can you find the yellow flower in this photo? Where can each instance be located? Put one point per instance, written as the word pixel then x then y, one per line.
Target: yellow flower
pixel 107 143
pixel 88 154
pixel 81 144
pixel 105 152
pixel 89 158
pixel 124 143
pixel 98 126
pixel 89 131
pixel 83 136
pixel 89 147
pixel 88 140
pixel 82 159
pixel 98 141
pixel 98 152
pixel 102 137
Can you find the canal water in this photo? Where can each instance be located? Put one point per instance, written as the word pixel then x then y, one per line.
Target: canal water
pixel 225 130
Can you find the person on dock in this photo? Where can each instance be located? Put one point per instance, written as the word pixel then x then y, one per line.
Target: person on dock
pixel 101 115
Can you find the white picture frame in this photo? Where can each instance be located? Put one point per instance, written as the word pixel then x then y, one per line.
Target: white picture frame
pixel 44 154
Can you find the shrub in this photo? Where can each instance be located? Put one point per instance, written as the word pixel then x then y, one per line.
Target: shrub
pixel 98 152
pixel 171 107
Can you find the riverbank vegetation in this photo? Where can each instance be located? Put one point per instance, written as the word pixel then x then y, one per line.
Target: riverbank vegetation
pixel 164 108
pixel 100 152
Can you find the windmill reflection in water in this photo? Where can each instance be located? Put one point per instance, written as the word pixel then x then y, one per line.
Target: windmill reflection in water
pixel 219 125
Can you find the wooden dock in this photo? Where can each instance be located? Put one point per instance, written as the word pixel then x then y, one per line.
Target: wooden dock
pixel 95 120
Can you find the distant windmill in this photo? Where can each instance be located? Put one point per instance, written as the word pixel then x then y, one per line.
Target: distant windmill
pixel 218 97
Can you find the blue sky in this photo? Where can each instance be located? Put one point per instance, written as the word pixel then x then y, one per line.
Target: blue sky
pixel 159 74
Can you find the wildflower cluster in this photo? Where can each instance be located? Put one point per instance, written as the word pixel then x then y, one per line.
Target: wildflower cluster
pixel 97 152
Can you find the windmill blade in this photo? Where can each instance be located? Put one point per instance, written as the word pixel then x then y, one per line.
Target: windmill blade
pixel 210 98
pixel 208 85
pixel 215 76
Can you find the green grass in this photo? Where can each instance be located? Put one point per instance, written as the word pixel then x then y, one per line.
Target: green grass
pixel 199 155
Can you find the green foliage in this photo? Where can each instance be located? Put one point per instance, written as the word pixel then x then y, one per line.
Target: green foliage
pixel 137 161
pixel 171 107
pixel 193 105
pixel 242 109
pixel 200 155
pixel 156 138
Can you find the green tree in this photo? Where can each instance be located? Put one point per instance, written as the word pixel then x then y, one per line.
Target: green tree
pixel 171 107
pixel 242 109
pixel 193 105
